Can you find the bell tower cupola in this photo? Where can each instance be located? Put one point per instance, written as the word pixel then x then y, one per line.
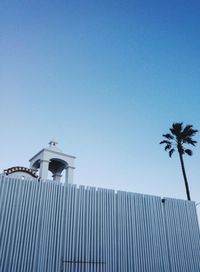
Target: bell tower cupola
pixel 54 160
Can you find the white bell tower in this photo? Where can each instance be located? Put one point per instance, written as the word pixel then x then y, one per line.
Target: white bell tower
pixel 54 160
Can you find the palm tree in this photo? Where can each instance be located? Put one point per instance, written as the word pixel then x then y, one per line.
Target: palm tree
pixel 176 140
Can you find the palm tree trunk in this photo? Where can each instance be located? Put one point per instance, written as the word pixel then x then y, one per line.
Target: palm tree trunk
pixel 184 176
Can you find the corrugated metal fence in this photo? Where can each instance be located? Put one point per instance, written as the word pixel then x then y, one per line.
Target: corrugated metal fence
pixel 45 226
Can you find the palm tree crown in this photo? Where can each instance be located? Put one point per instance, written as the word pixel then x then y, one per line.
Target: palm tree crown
pixel 178 137
pixel 176 140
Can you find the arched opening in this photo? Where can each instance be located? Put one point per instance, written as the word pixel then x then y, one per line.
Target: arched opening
pixel 56 167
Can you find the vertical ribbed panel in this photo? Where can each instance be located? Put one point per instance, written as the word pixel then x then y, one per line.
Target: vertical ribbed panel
pixel 183 235
pixel 45 226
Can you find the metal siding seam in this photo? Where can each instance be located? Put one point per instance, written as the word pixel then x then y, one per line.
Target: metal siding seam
pixel 125 233
pixel 175 237
pixel 130 233
pixel 109 228
pixel 5 231
pixel 76 230
pixel 171 239
pixel 191 239
pixel 52 226
pixel 147 245
pixel 115 233
pixel 133 232
pixel 113 251
pixel 88 229
pixel 164 238
pixel 148 241
pixel 119 222
pixel 190 234
pixel 12 225
pixel 52 223
pixel 76 254
pixel 63 229
pixel 28 227
pixel 194 233
pixel 3 196
pixel 95 226
pixel 37 234
pixel 58 235
pixel 3 216
pixel 17 229
pixel 59 232
pixel 73 219
pixel 105 234
pixel 68 223
pixel 33 227
pixel 142 237
pixel 185 237
pixel 189 209
pixel 82 223
pixel 170 236
pixel 99 252
pixel 157 209
pixel 18 234
pixel 137 263
pixel 65 225
pixel 102 252
pixel 24 260
pixel 13 229
pixel 180 243
pixel 45 229
pixel 158 261
pixel 35 224
pixel 39 237
pixel 56 227
pixel 155 237
pixel 22 223
pixel 38 260
pixel 92 249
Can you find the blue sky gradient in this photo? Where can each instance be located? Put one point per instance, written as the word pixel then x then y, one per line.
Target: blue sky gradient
pixel 106 79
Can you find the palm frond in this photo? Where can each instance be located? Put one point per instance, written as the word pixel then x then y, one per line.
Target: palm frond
pixel 188 140
pixel 165 142
pixel 168 136
pixel 189 131
pixel 186 129
pixel 192 132
pixel 171 152
pixel 188 151
pixel 168 146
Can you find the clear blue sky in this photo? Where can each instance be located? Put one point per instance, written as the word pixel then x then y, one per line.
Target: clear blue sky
pixel 106 79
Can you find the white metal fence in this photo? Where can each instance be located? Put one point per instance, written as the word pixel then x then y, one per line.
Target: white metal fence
pixel 45 226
